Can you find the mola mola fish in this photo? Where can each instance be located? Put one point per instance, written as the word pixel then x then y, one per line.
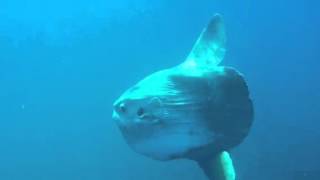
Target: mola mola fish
pixel 197 110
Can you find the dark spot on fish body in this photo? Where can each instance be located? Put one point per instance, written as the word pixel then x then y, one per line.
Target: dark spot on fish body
pixel 191 84
pixel 230 111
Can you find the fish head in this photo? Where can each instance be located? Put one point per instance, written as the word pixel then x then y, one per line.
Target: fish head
pixel 161 116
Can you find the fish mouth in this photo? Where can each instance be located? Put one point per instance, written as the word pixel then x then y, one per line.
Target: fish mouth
pixel 122 124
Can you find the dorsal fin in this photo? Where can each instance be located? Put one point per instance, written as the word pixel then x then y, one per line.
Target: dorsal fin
pixel 209 49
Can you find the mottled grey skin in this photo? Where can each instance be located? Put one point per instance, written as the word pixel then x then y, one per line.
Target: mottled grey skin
pixel 207 111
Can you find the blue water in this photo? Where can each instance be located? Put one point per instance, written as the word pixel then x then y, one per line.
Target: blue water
pixel 63 63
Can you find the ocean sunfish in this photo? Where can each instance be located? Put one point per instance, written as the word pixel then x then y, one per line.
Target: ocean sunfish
pixel 196 110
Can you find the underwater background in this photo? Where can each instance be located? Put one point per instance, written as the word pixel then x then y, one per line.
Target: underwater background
pixel 63 63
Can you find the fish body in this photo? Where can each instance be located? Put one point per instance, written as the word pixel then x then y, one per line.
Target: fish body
pixel 197 110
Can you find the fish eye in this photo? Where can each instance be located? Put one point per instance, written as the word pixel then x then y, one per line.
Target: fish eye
pixel 140 112
pixel 123 108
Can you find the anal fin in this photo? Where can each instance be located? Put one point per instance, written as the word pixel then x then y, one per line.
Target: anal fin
pixel 219 167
